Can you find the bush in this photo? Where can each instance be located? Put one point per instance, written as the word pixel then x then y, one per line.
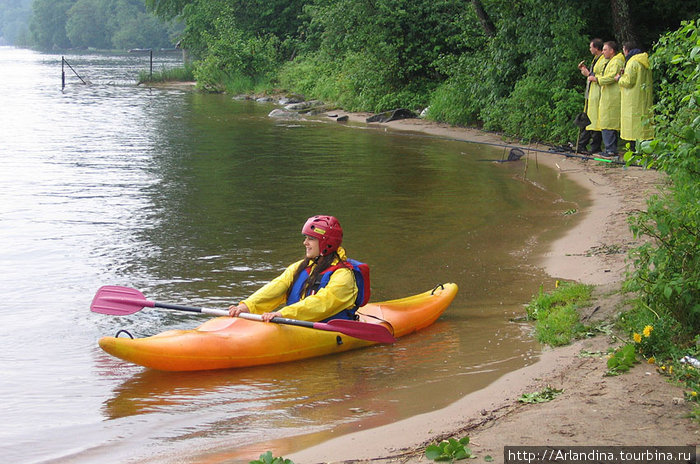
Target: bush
pixel 524 80
pixel 666 270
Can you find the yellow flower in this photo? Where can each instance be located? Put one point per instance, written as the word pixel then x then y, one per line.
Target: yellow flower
pixel 637 338
pixel 651 360
pixel 670 369
pixel 647 331
pixel 693 393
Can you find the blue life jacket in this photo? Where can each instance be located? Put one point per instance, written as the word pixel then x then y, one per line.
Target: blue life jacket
pixel 361 273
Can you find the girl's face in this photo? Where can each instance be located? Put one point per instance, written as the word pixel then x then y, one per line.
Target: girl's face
pixel 312 247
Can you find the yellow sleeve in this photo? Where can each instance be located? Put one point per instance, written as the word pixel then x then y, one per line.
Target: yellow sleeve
pixel 339 294
pixel 629 78
pixel 273 294
pixel 612 70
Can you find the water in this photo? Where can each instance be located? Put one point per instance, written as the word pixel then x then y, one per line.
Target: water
pixel 198 199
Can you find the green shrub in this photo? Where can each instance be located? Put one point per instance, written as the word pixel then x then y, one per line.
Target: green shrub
pixel 666 269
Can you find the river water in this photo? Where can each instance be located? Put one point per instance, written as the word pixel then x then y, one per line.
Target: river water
pixel 199 199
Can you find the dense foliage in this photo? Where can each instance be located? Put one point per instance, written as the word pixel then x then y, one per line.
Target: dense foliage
pixel 14 17
pixel 377 55
pixel 667 269
pixel 509 66
pixel 522 80
pixel 101 24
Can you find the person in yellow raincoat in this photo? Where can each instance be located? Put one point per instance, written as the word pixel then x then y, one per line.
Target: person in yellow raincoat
pixel 609 106
pixel 318 299
pixel 592 132
pixel 636 98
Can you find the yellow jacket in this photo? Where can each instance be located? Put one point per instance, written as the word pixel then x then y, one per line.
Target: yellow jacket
pixel 339 294
pixel 636 99
pixel 609 106
pixel 594 94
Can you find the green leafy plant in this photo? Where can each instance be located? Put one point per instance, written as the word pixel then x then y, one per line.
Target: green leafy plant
pixel 666 270
pixel 543 396
pixel 267 458
pixel 622 360
pixel 449 450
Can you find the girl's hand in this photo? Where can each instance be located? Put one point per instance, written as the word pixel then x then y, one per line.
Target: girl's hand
pixel 235 310
pixel 267 317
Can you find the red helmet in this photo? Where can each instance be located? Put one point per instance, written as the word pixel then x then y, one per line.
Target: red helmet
pixel 327 230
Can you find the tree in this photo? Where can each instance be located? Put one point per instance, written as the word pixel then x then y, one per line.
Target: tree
pixel 168 9
pixel 484 18
pixel 48 23
pixel 14 21
pixel 87 24
pixel 625 29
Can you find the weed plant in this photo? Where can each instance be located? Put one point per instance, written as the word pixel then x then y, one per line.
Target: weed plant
pixel 268 458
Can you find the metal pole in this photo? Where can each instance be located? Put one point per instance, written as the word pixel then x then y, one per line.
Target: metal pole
pixel 63 74
pixel 151 64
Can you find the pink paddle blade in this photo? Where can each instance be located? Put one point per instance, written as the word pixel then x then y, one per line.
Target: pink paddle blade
pixel 118 301
pixel 363 330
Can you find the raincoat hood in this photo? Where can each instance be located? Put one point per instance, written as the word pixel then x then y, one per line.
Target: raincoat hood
pixel 642 58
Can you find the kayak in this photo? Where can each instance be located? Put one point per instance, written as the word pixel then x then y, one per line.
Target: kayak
pixel 225 342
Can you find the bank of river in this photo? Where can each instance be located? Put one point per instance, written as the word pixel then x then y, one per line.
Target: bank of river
pixel 639 408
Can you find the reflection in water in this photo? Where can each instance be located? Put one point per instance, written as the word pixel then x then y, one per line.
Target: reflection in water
pixel 198 199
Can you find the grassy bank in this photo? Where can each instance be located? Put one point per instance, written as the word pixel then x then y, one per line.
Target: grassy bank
pixel 642 334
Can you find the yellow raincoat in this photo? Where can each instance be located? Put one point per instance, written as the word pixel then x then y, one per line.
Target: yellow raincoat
pixel 337 295
pixel 609 106
pixel 636 99
pixel 594 95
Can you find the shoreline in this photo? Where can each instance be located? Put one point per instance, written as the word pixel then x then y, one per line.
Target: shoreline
pixel 593 409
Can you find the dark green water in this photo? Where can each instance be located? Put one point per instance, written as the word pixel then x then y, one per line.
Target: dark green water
pixel 199 199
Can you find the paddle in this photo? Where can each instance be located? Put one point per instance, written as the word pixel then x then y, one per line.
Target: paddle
pixel 120 301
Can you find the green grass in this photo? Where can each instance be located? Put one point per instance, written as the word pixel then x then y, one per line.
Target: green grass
pixel 556 315
pixel 184 74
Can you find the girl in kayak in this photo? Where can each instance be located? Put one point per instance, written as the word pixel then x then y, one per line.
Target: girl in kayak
pixel 320 287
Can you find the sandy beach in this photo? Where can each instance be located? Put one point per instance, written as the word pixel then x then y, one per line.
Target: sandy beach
pixel 637 408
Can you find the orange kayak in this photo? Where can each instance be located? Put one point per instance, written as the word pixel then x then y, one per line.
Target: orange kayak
pixel 225 342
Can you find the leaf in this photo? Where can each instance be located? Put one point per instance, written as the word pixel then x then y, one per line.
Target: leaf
pixel 433 452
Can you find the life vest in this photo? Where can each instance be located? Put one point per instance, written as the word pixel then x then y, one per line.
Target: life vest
pixel 359 270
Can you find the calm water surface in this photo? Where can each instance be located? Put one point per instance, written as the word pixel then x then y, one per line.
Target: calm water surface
pixel 199 199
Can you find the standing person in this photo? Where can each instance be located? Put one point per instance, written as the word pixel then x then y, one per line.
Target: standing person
pixel 320 287
pixel 609 106
pixel 591 133
pixel 636 98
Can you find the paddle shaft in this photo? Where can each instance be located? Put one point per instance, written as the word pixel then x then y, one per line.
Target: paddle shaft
pixel 120 301
pixel 221 312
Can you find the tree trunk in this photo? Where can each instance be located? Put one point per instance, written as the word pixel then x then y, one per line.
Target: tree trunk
pixel 486 22
pixel 622 21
